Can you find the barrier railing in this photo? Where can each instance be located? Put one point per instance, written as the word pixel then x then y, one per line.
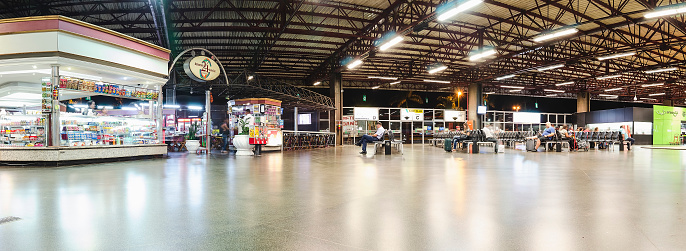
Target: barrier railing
pixel 293 140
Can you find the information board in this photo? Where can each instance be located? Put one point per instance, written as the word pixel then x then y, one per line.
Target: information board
pixel 364 113
pixel 411 115
pixel 455 116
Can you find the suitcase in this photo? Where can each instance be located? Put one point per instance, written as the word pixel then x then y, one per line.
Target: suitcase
pixel 582 145
pixel 558 147
pixel 387 147
pixel 530 145
pixel 447 145
pixel 475 147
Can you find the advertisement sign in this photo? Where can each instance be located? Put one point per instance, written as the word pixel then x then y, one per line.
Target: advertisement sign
pixel 481 109
pixel 362 113
pixel 526 117
pixel 411 115
pixel 455 116
pixel 667 123
pixel 201 68
pixel 348 124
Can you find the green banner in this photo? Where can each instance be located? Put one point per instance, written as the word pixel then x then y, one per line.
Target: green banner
pixel 667 123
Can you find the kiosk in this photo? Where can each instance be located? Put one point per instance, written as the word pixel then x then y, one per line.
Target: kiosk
pixel 263 119
pixel 50 66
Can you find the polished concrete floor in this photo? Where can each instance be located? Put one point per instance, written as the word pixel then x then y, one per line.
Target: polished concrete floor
pixel 335 199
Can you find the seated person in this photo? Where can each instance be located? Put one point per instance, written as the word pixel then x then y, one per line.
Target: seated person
pixel 626 135
pixel 459 138
pixel 548 134
pixel 371 138
pixel 490 136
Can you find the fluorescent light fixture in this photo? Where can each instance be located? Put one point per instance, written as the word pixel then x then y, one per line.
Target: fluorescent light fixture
pixel 105 107
pixel 172 106
pixel 192 116
pixel 81 106
pixel 250 77
pixel 391 43
pixel 666 12
pixel 613 89
pixel 129 108
pixel 489 93
pixel 519 90
pixel 551 67
pixel 354 64
pixel 653 85
pixel 648 98
pixel 619 55
pixel 396 82
pixel 551 95
pixel 662 70
pixel 145 104
pixel 482 54
pixel 513 87
pixel 505 77
pixel 35 67
pixel 437 81
pixel 607 77
pixel 606 95
pixel 385 78
pixel 457 9
pixel 437 69
pixel 565 83
pixel 551 90
pixel 656 94
pixel 194 107
pixel 375 87
pixel 23 96
pixel 45 71
pixel 317 83
pixel 556 34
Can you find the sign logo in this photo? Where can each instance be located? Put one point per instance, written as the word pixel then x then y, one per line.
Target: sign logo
pixel 673 113
pixel 201 69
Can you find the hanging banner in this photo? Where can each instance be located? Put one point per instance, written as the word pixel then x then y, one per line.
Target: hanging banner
pixel 201 68
pixel 411 115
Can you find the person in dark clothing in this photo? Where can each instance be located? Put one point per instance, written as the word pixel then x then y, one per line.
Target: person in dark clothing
pixel 225 131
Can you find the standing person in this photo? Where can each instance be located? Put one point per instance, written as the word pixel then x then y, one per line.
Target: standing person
pixel 371 138
pixel 224 128
pixel 90 111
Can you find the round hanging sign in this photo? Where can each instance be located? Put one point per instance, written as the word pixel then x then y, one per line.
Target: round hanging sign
pixel 201 68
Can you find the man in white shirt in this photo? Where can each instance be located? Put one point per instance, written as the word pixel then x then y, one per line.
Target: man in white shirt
pixel 371 138
pixel 490 136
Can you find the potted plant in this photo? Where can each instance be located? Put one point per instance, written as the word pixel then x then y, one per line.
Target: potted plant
pixel 242 140
pixel 192 142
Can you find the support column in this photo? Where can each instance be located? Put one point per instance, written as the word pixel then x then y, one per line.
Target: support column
pixel 475 99
pixel 208 121
pixel 583 102
pixel 335 89
pixel 295 118
pixel 54 127
pixel 668 102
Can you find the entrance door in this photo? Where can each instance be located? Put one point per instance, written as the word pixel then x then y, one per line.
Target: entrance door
pixel 406 129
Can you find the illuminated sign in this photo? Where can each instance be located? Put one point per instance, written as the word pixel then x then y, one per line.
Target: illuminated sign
pixel 201 68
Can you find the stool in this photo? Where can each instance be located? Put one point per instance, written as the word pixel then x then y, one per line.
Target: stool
pixel 202 150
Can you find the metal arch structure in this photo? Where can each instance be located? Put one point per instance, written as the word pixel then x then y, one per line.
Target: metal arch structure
pixel 291 96
pixel 304 41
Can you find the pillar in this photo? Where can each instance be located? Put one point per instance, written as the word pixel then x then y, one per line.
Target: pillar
pixel 295 118
pixel 208 120
pixel 475 99
pixel 54 120
pixel 668 102
pixel 583 102
pixel 335 89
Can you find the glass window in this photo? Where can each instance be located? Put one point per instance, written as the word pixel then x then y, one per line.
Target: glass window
pixel 383 114
pixel 428 115
pixel 395 114
pixel 500 116
pixel 395 126
pixel 438 114
pixel 348 111
pixel 552 118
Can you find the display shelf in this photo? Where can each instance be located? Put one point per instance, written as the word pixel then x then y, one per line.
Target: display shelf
pixel 81 130
pixel 89 93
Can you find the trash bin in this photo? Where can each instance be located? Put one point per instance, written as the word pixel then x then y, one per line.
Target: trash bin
pixel 387 146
